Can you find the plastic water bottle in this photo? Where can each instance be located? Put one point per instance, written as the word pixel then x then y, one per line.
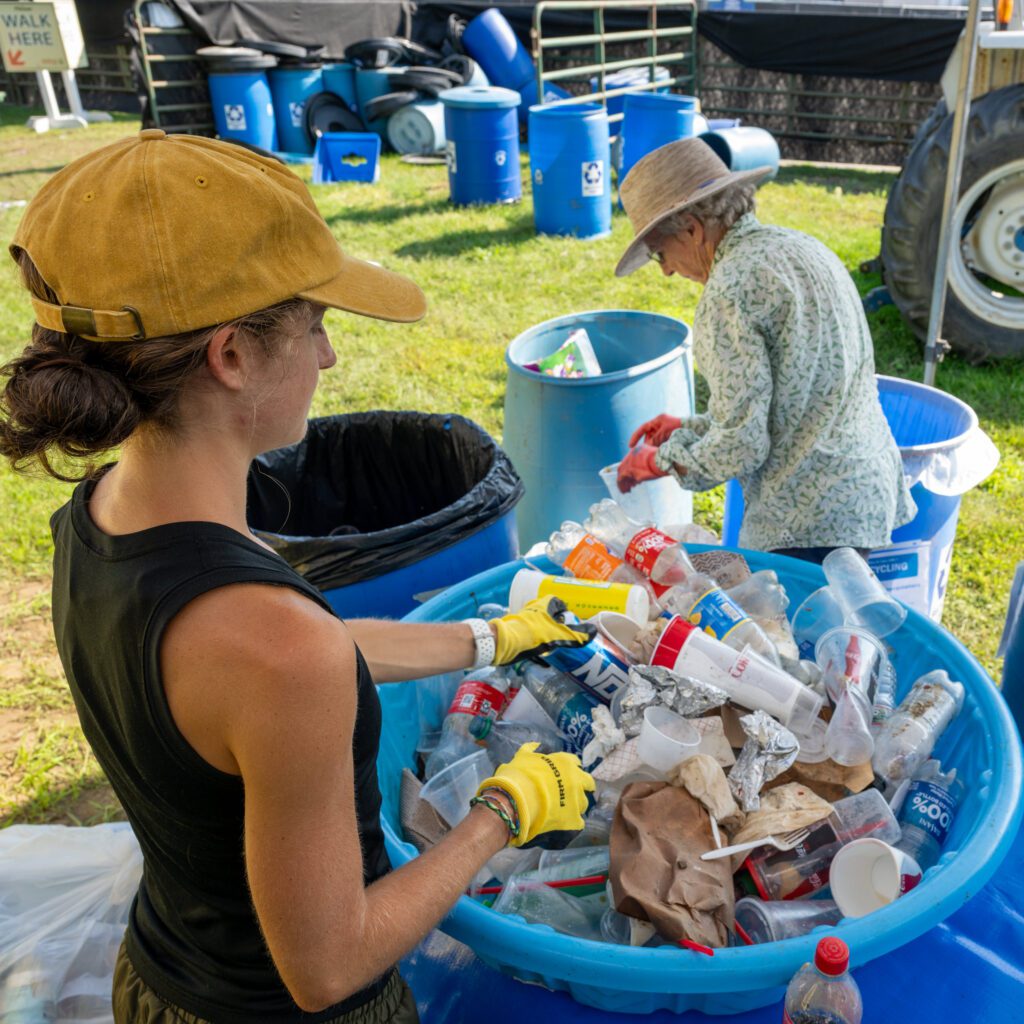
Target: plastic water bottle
pixel 761 594
pixel 824 992
pixel 884 700
pixel 478 701
pixel 907 738
pixel 569 707
pixel 655 554
pixel 585 557
pixel 928 812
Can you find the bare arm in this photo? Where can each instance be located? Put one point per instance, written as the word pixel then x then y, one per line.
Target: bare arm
pixel 397 651
pixel 275 695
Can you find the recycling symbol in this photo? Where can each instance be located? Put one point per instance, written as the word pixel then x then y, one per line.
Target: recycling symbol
pixel 234 115
pixel 500 157
pixel 592 173
pixel 538 176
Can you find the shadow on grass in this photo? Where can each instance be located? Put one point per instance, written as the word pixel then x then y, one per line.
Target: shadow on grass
pixel 31 170
pixel 388 214
pixel 853 182
pixel 454 243
pixel 74 804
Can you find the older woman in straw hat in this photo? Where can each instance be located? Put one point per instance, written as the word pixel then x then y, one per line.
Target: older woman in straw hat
pixel 781 338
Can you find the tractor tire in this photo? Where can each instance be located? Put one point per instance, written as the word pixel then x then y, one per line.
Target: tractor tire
pixel 980 322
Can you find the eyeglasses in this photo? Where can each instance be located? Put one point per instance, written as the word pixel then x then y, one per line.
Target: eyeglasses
pixel 656 254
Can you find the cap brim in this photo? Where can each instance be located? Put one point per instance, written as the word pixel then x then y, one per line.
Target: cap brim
pixel 636 256
pixel 370 290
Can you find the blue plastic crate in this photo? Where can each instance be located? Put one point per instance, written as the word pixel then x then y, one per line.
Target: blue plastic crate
pixel 346 156
pixel 981 743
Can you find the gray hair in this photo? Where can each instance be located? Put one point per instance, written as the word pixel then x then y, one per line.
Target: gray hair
pixel 719 211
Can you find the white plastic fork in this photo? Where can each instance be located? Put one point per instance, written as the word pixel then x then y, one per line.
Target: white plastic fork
pixel 787 841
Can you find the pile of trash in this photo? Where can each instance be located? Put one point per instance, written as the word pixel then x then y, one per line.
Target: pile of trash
pixel 755 778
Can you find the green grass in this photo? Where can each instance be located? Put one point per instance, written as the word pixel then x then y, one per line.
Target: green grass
pixel 488 277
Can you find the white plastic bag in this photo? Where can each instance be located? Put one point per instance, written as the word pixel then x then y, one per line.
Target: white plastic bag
pixel 955 468
pixel 65 894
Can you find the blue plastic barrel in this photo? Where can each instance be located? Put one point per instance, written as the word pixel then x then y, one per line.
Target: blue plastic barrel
pixel 981 744
pixel 560 433
pixel 243 108
pixel 528 97
pixel 490 41
pixel 624 79
pixel 569 168
pixel 418 128
pixel 341 80
pixel 1011 647
pixel 651 120
pixel 291 87
pixel 482 131
pixel 745 148
pixel 371 83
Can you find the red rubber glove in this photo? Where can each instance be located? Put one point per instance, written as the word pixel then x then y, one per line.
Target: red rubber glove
pixel 638 466
pixel 657 431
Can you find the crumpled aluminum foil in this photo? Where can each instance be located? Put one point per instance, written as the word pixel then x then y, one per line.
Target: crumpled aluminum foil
pixel 770 749
pixel 607 736
pixel 652 684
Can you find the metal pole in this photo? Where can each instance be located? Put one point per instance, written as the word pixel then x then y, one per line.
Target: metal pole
pixel 932 353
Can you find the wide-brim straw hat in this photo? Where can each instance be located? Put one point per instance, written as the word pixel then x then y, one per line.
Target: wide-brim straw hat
pixel 667 180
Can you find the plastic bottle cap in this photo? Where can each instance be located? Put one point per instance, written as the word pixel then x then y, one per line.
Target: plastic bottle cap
pixel 832 956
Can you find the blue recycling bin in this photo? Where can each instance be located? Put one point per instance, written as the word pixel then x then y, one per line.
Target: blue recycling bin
pixel 560 433
pixel 569 170
pixel 490 41
pixel 291 88
pixel 243 108
pixel 981 743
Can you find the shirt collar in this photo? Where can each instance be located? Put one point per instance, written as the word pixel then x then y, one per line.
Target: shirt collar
pixel 747 224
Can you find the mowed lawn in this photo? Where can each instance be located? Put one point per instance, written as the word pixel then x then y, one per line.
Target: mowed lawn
pixel 488 276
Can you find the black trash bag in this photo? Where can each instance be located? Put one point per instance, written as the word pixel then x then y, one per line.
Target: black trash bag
pixel 368 493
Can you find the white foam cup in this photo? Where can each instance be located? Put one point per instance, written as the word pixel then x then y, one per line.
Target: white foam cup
pixel 868 874
pixel 666 739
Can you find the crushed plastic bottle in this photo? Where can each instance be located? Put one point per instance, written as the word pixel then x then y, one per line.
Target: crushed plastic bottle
pixel 928 813
pixel 905 741
pixel 478 701
pixel 824 992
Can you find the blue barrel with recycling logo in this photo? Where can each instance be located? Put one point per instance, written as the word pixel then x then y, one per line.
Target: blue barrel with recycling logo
pixel 291 88
pixel 481 127
pixel 569 169
pixel 243 107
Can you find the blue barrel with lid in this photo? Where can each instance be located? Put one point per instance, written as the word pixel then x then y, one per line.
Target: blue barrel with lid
pixel 481 126
pixel 569 168
pixel 490 41
pixel 243 108
pixel 291 88
pixel 651 120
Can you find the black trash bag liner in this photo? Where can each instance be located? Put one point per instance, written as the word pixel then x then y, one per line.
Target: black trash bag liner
pixel 367 493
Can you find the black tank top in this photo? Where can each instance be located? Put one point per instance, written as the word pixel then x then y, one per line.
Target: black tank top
pixel 192 936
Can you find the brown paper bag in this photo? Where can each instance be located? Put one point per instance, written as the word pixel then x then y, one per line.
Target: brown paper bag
pixel 658 835
pixel 829 780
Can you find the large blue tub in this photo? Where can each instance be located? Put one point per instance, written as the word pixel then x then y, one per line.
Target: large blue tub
pixel 982 744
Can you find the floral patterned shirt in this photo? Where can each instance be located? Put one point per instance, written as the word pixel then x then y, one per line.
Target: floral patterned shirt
pixel 781 337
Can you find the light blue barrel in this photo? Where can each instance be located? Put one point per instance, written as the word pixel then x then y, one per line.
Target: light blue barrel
pixel 744 148
pixel 291 88
pixel 528 97
pixel 243 108
pixel 418 128
pixel 560 433
pixel 569 169
pixel 490 41
pixel 371 83
pixel 341 80
pixel 651 120
pixel 481 127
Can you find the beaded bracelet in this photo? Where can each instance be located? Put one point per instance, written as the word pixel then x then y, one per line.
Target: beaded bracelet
pixel 513 827
pixel 504 794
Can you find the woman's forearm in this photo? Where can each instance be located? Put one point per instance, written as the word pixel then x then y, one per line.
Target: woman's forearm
pixel 398 651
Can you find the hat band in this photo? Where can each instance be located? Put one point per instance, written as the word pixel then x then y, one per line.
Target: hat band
pixel 92 324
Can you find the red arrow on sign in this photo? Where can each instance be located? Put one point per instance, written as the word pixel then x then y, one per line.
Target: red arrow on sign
pixel 14 58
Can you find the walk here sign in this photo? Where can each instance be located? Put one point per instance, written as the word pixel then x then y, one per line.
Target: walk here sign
pixel 41 36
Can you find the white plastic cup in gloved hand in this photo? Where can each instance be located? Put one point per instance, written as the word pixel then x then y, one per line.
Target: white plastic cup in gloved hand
pixel 451 789
pixel 775 920
pixel 865 602
pixel 868 874
pixel 666 739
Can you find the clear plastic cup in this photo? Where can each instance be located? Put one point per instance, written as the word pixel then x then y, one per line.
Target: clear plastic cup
pixel 538 903
pixel 774 920
pixel 666 739
pixel 849 655
pixel 581 862
pixel 451 789
pixel 865 602
pixel 814 616
pixel 868 874
pixel 812 743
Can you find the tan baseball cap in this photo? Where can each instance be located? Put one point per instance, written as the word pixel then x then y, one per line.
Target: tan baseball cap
pixel 159 234
pixel 667 180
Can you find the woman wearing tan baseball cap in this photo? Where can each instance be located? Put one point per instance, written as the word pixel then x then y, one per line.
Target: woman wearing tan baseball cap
pixel 781 338
pixel 178 286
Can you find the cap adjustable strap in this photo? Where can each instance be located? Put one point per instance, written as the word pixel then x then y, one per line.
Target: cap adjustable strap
pixel 95 324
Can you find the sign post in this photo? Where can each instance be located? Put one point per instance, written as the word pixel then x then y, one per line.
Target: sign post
pixel 45 37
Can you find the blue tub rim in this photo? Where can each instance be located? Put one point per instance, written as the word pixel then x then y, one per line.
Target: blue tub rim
pixel 639 370
pixel 565 109
pixel 668 970
pixel 902 384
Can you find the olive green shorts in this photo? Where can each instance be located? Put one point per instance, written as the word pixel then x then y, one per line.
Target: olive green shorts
pixel 136 1003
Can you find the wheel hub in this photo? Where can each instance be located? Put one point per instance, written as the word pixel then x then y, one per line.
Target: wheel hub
pixel 994 245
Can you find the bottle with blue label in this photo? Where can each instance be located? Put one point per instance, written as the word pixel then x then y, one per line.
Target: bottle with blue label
pixel 928 812
pixel 569 707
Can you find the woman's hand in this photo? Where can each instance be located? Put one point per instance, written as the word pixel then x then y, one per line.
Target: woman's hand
pixel 638 466
pixel 656 431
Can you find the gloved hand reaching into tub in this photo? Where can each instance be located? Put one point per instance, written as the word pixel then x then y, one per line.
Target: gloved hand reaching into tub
pixel 550 792
pixel 538 627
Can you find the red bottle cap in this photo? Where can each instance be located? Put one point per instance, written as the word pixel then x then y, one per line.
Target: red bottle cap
pixel 832 956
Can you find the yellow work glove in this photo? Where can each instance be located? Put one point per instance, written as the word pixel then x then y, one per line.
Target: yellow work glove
pixel 549 790
pixel 536 629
